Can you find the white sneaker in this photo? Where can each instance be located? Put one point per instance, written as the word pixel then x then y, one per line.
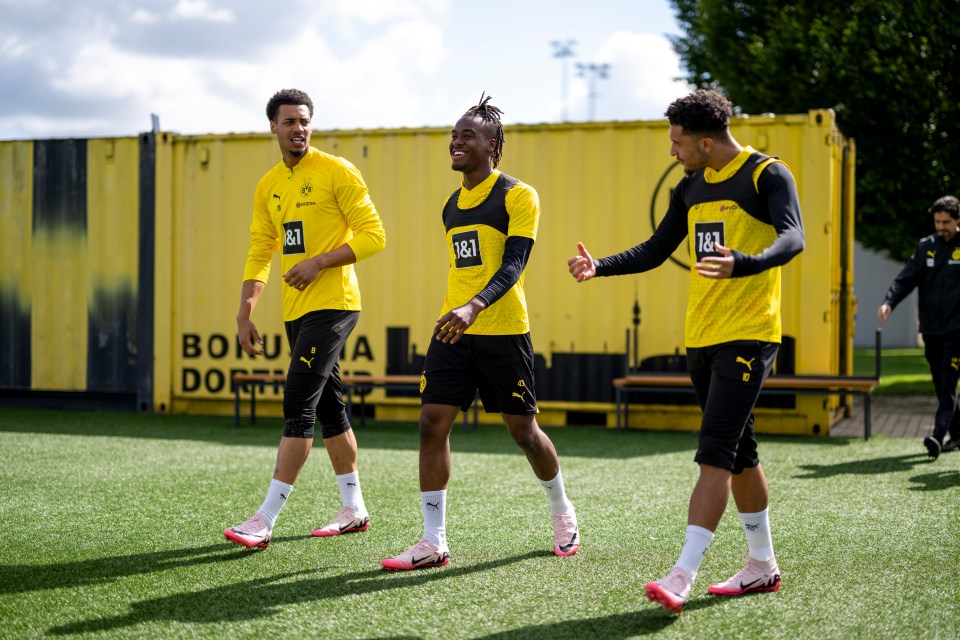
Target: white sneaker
pixel 671 592
pixel 566 534
pixel 755 576
pixel 346 521
pixel 255 532
pixel 419 556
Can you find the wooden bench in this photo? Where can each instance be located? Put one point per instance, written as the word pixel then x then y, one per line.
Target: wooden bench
pixel 350 383
pixel 640 382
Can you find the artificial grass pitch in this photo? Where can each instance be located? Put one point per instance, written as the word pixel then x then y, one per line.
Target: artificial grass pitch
pixel 113 528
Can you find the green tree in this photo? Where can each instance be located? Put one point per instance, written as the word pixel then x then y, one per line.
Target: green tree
pixel 888 68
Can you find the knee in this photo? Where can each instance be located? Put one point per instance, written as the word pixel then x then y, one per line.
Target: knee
pixel 298 418
pixel 301 426
pixel 333 428
pixel 526 434
pixel 433 429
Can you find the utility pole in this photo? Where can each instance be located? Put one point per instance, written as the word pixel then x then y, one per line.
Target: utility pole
pixel 563 49
pixel 594 72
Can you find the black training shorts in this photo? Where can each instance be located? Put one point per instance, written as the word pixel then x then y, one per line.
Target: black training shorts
pixel 313 379
pixel 499 367
pixel 727 379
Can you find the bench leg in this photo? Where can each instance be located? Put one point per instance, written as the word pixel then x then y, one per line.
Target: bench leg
pixel 618 409
pixel 236 405
pixel 867 420
pixel 253 404
pixel 466 414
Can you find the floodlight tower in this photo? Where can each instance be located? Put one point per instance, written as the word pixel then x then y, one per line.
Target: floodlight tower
pixel 563 49
pixel 593 71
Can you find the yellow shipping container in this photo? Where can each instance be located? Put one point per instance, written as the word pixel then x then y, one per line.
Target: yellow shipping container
pixel 605 184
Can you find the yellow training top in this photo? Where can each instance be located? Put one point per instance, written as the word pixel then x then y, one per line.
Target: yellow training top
pixel 477 229
pixel 731 308
pixel 315 207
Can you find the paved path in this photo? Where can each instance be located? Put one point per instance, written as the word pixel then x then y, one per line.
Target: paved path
pixel 893 416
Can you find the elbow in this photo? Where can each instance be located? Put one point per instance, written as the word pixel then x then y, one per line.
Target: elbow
pixel 377 241
pixel 797 244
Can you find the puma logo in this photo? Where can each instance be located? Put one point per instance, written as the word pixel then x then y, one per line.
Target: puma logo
pixel 931 254
pixel 309 362
pixel 518 395
pixel 747 363
pixel 276 196
pixel 955 363
pixel 435 506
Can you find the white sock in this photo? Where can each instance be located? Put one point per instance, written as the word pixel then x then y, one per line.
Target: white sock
pixel 277 496
pixel 694 548
pixel 557 495
pixel 350 493
pixel 434 504
pixel 757 528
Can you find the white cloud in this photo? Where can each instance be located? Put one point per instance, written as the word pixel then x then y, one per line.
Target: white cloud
pixel 13 47
pixel 352 20
pixel 380 85
pixel 371 85
pixel 131 86
pixel 201 9
pixel 641 79
pixel 143 16
pixel 208 66
pixel 372 12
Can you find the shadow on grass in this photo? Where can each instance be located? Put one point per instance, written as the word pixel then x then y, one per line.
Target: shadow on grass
pixel 140 425
pixel 593 442
pixel 936 481
pixel 892 464
pixel 265 597
pixel 651 619
pixel 32 577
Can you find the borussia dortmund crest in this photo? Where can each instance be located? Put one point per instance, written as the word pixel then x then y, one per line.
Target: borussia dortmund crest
pixel 306 189
pixel 956 254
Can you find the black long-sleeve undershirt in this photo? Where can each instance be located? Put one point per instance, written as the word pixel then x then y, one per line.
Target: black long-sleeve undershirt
pixel 778 186
pixel 516 253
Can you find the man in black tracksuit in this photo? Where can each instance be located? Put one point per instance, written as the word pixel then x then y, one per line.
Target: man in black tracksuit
pixel 934 270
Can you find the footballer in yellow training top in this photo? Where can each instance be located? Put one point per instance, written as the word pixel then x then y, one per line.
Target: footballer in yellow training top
pixel 315 209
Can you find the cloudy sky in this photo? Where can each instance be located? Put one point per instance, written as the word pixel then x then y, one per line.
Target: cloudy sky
pixel 82 68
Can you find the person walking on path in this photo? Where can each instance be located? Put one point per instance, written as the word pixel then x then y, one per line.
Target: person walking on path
pixel 934 271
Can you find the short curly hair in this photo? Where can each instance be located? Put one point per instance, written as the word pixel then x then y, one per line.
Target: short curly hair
pixel 704 111
pixel 288 96
pixel 947 204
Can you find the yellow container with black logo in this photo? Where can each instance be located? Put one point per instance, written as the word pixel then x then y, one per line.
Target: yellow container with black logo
pixel 155 259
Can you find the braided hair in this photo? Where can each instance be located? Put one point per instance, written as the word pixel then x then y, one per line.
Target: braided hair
pixel 491 115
